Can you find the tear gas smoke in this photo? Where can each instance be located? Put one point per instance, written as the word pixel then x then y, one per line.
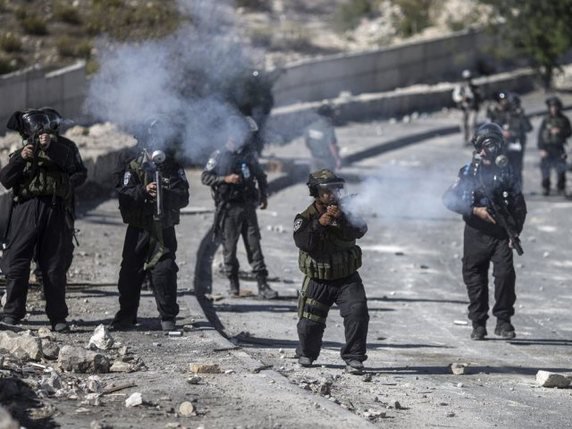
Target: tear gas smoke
pixel 184 79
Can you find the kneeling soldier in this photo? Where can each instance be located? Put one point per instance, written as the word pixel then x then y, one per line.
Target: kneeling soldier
pixel 330 258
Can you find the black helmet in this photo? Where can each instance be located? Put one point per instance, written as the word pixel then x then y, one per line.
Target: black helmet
pixel 326 109
pixel 500 96
pixel 514 100
pixel 489 136
pixel 54 117
pixel 554 101
pixel 324 178
pixel 29 122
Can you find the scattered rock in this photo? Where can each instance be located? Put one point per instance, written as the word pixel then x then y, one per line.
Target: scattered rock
pixel 50 383
pixel 205 368
pixel 50 349
pixel 101 339
pixel 458 368
pixel 94 384
pixel 22 346
pixel 450 414
pixel 194 380
pixel 552 379
pixel 367 378
pixel 460 322
pixel 398 405
pixel 120 366
pixel 134 400
pixel 44 332
pixel 186 409
pixel 78 359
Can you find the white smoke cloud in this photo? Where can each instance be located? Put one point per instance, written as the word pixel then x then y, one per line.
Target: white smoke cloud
pixel 181 79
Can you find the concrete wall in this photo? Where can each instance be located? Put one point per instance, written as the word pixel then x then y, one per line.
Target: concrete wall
pixel 428 62
pixel 63 89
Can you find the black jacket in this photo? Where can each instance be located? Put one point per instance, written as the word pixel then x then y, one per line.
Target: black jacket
pixel 253 185
pixel 475 186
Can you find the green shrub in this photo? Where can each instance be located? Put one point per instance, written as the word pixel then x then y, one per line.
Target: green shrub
pixel 157 18
pixel 34 25
pixel 69 47
pixel 67 14
pixel 349 14
pixel 9 42
pixel 7 64
pixel 415 16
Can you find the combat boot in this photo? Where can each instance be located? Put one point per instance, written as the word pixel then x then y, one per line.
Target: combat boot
pixel 354 366
pixel 264 290
pixel 234 290
pixel 505 329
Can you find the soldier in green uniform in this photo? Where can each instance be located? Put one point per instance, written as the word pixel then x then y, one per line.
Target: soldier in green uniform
pixel 552 135
pixel 150 204
pixel 39 177
pixel 326 235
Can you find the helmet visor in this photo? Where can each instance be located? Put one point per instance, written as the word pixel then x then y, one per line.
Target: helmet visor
pixel 35 123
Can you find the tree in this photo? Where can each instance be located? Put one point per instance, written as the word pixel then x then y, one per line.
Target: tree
pixel 538 30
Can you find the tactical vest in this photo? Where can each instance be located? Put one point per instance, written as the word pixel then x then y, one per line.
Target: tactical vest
pixel 236 192
pixel 144 218
pixel 556 122
pixel 342 260
pixel 44 179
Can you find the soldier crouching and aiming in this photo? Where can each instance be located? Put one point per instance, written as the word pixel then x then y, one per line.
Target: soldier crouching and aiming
pixel 39 176
pixel 233 173
pixel 329 259
pixel 487 194
pixel 152 189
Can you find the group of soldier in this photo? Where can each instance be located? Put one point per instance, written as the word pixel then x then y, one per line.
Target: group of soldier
pixel 152 189
pixel 507 112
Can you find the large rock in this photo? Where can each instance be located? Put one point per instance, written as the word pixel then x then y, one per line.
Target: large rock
pixel 22 346
pixel 101 339
pixel 552 379
pixel 77 359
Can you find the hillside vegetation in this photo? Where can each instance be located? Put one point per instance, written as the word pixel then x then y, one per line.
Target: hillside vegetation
pixel 55 33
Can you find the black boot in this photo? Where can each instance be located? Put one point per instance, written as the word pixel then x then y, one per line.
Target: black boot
pixel 234 290
pixel 265 291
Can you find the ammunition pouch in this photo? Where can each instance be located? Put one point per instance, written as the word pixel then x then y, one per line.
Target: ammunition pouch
pixel 309 308
pixel 337 265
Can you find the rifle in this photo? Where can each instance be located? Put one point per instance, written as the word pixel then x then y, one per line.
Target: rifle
pixel 506 221
pixel 499 211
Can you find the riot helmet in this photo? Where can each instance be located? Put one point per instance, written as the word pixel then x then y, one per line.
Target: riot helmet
pixel 554 101
pixel 326 109
pixel 54 117
pixel 490 138
pixel 325 179
pixel 514 100
pixel 29 123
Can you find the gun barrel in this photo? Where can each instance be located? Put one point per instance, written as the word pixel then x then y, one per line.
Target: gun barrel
pixel 159 202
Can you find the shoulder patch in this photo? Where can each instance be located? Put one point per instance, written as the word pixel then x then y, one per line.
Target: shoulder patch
pixel 126 178
pixel 298 223
pixel 213 160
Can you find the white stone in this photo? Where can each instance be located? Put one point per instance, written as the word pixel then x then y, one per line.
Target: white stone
pixel 134 400
pixel 186 409
pixel 552 379
pixel 101 339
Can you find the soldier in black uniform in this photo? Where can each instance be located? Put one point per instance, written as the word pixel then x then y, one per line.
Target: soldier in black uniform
pixel 552 135
pixel 78 176
pixel 40 180
pixel 488 176
pixel 510 116
pixel 150 243
pixel 329 259
pixel 233 173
